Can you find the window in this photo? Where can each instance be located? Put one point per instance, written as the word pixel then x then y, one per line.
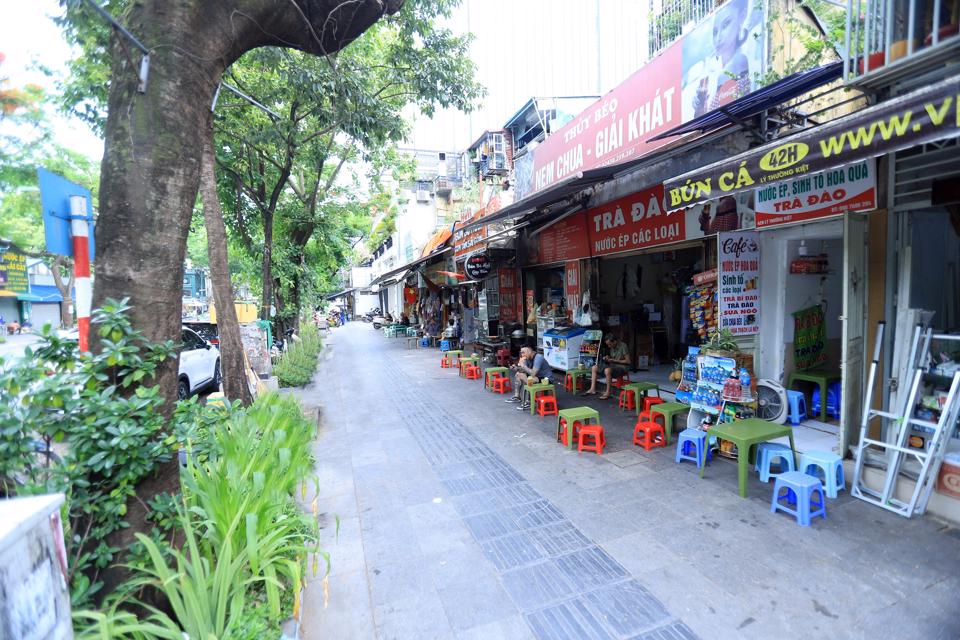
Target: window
pixel 191 340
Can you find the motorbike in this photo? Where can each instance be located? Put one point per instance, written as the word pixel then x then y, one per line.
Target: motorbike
pixel 370 315
pixel 378 321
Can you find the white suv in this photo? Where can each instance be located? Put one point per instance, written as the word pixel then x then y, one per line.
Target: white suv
pixel 199 364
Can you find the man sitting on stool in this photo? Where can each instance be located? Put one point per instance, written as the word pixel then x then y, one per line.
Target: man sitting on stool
pixel 615 364
pixel 530 364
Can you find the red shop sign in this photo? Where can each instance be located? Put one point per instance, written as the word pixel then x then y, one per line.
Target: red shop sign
pixel 565 240
pixel 634 222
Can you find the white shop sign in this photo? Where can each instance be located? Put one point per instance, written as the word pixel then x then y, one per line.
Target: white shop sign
pixel 739 282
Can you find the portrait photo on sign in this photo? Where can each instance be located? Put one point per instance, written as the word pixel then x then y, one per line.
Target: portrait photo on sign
pixel 721 58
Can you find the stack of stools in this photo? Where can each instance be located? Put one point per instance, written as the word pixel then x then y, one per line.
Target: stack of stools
pixel 595 433
pixel 767 452
pixel 797 406
pixel 691 445
pixel 472 372
pixel 648 435
pixel 800 490
pixel 503 357
pixel 827 464
pixel 547 405
pixel 833 400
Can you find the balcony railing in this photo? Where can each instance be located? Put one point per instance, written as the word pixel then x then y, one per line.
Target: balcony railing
pixel 888 40
pixel 670 18
pixel 444 185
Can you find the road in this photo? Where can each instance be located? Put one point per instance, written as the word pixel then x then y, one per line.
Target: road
pixel 15 346
pixel 460 517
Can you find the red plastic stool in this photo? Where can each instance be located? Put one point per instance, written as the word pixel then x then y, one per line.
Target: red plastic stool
pixel 594 431
pixel 622 380
pixel 445 363
pixel 503 357
pixel 547 405
pixel 573 383
pixel 501 385
pixel 626 400
pixel 649 401
pixel 649 435
pixel 562 431
pixel 472 372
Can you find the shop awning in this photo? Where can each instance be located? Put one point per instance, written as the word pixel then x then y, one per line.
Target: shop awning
pixel 909 120
pixel 26 297
pixel 340 294
pixel 438 239
pixel 759 101
pixel 419 262
pixel 46 293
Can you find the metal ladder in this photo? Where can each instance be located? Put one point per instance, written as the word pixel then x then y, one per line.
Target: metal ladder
pixel 896 428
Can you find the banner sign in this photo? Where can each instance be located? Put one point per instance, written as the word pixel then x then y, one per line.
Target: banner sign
pixel 13 272
pixel 562 241
pixel 739 275
pixel 827 193
pixel 571 286
pixel 711 66
pixel 809 338
pixel 922 116
pixel 634 222
pixel 478 266
pixel 466 241
pixel 704 277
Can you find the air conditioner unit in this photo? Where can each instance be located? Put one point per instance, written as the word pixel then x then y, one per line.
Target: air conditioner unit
pixel 423 195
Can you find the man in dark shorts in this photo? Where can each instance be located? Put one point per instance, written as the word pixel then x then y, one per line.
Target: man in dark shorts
pixel 615 364
pixel 531 364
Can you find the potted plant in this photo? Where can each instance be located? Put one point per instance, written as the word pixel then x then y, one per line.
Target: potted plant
pixel 721 343
pixel 677 374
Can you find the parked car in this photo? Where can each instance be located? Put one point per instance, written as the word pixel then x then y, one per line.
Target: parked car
pixel 206 330
pixel 199 364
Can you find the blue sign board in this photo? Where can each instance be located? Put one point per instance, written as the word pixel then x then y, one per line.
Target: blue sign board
pixel 55 192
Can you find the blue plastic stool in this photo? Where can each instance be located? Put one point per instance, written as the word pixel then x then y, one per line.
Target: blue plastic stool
pixel 690 446
pixel 833 400
pixel 800 489
pixel 445 345
pixel 798 406
pixel 830 465
pixel 767 452
pixel 424 342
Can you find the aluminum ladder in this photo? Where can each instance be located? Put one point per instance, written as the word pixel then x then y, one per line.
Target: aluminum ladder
pixel 896 428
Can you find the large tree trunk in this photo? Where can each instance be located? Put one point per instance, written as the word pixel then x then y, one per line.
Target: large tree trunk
pixel 153 145
pixel 228 327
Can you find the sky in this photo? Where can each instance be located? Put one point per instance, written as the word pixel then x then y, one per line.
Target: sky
pixel 522 49
pixel 29 35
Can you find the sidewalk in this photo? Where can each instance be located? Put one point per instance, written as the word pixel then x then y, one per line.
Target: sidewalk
pixel 462 518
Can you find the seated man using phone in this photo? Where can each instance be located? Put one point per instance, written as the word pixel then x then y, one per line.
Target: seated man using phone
pixel 615 364
pixel 531 364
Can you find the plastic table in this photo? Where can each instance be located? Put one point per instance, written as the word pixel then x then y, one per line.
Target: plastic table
pixel 637 388
pixel 533 390
pixel 467 360
pixel 456 352
pixel 489 370
pixel 575 414
pixel 745 434
pixel 668 410
pixel 822 377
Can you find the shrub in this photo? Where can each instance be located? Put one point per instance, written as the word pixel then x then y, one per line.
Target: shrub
pixel 297 364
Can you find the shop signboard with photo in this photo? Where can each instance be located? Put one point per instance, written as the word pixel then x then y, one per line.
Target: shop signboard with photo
pixel 819 195
pixel 739 282
pixel 915 118
pixel 717 62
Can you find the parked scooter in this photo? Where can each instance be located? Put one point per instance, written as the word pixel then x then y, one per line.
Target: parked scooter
pixel 370 315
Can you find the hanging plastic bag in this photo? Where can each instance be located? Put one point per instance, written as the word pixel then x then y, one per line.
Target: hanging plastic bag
pixel 584 315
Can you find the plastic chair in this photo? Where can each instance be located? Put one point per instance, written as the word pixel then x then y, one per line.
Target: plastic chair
pixel 800 489
pixel 649 435
pixel 594 432
pixel 767 452
pixel 797 404
pixel 501 385
pixel 690 446
pixel 445 345
pixel 547 405
pixel 562 431
pixel 827 464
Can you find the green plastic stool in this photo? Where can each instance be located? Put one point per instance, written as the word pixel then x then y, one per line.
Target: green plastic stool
pixel 489 370
pixel 467 360
pixel 575 414
pixel 669 410
pixel 821 377
pixel 535 389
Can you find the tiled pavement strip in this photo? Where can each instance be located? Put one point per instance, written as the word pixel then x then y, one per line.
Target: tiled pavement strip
pixel 505 561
